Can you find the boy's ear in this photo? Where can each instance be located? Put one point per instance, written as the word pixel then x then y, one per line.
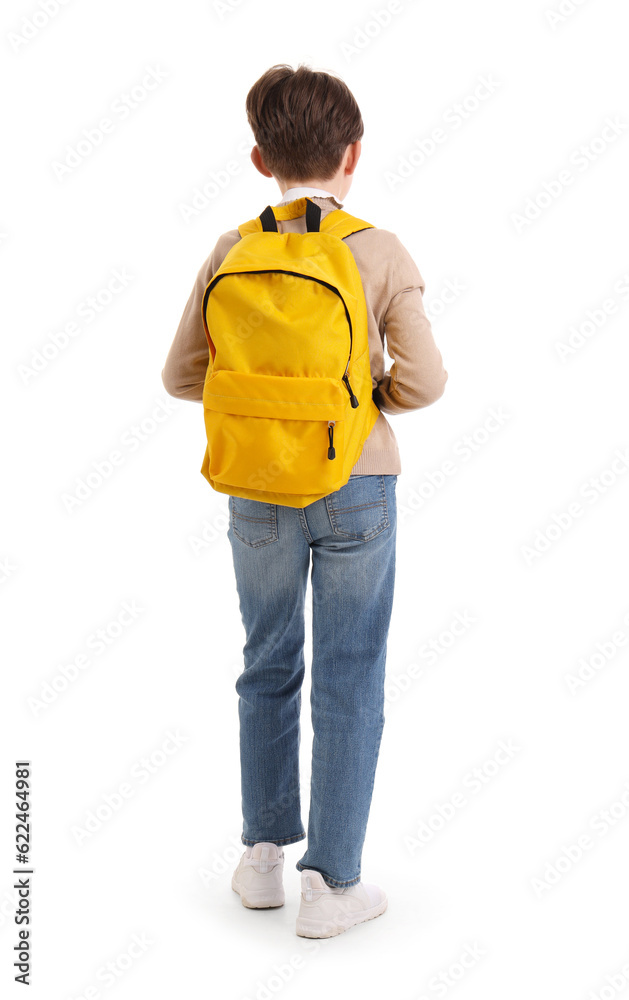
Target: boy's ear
pixel 258 162
pixel 353 155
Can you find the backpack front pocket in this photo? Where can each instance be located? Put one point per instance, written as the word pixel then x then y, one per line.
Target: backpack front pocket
pixel 272 432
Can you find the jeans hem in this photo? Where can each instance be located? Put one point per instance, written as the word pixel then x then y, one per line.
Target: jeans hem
pixel 273 840
pixel 332 882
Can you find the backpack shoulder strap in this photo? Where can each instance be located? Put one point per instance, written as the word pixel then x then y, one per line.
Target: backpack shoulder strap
pixel 253 226
pixel 337 222
pixel 342 224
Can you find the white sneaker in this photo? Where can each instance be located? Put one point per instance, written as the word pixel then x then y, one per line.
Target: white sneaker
pixel 258 877
pixel 326 911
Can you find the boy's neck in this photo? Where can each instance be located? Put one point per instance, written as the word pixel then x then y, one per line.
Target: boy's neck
pixel 307 190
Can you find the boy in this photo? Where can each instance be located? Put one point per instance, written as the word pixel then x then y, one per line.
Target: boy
pixel 308 129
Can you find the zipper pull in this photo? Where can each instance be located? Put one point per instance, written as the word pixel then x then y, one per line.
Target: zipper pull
pixel 331 451
pixel 352 397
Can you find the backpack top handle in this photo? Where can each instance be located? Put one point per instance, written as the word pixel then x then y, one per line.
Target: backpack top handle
pixel 313 218
pixel 336 222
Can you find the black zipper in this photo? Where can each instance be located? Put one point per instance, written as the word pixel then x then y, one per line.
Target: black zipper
pixel 279 270
pixel 331 450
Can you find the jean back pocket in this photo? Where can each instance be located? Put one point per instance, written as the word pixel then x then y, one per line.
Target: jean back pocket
pixel 254 522
pixel 359 509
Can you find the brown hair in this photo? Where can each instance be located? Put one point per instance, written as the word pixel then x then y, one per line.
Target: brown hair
pixel 303 120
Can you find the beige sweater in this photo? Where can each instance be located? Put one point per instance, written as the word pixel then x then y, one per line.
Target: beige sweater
pixel 393 290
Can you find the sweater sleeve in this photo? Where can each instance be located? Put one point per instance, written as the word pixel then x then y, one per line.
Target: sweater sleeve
pixel 417 376
pixel 185 368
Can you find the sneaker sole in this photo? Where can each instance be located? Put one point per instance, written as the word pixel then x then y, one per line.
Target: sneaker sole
pixel 307 927
pixel 258 899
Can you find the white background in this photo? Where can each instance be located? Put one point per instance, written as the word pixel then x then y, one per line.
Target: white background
pixel 481 542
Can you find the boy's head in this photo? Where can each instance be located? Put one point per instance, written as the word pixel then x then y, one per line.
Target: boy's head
pixel 307 126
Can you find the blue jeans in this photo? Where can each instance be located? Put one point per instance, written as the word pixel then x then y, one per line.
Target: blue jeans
pixel 351 534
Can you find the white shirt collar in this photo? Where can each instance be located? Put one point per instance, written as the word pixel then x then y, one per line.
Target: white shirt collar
pixel 307 192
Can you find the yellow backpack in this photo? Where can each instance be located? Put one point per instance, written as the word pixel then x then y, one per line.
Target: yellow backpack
pixel 287 398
